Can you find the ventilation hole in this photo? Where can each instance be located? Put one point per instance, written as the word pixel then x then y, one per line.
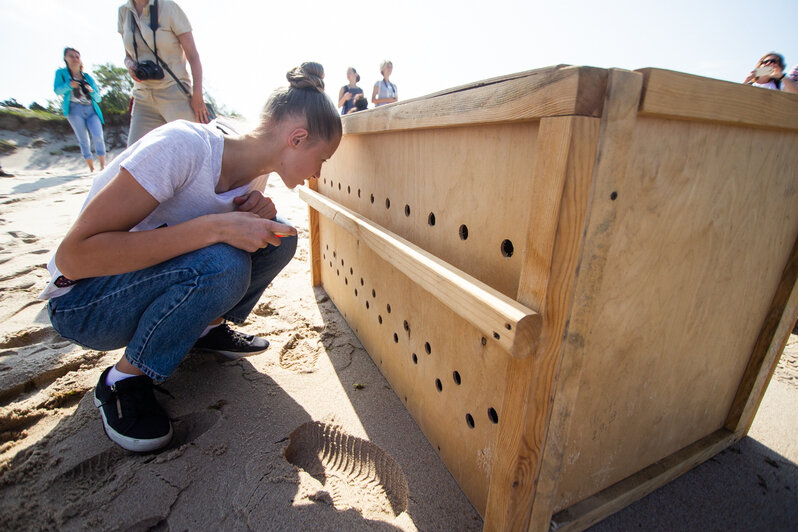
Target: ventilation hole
pixel 470 421
pixel 342 262
pixel 346 281
pixel 439 385
pixel 337 272
pixel 407 210
pixel 373 293
pixel 355 292
pixel 456 377
pixel 330 264
pixel 427 348
pixel 484 341
pixel 388 308
pixel 496 335
pixel 348 190
pixel 325 180
pixel 406 326
pixel 379 318
pixel 327 247
pixel 332 184
pixel 415 358
pixel 387 203
pixel 352 272
pixel 358 193
pixel 367 305
pixel 335 254
pixel 507 248
pixel 431 218
pixel 614 196
pixel 463 232
pixel 395 338
pixel 339 186
pixel 361 281
pixel 372 198
pixel 508 326
pixel 492 415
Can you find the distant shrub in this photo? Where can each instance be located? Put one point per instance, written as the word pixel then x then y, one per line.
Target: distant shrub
pixel 11 102
pixel 35 106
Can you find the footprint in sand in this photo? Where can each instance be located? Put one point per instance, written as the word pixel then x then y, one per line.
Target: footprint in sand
pixel 265 310
pixel 97 468
pixel 300 354
pixel 355 472
pixel 29 336
pixel 25 237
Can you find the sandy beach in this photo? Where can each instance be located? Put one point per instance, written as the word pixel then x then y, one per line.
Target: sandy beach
pixel 305 436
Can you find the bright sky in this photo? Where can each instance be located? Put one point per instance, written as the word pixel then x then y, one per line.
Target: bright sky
pixel 246 47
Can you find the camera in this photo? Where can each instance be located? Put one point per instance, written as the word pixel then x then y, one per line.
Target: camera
pixel 84 88
pixel 763 71
pixel 148 70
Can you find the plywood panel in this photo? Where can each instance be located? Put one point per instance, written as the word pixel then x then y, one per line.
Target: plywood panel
pixel 515 327
pixel 441 367
pixel 475 182
pixel 700 244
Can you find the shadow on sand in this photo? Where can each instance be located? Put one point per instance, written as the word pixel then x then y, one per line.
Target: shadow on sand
pixel 746 487
pixel 224 470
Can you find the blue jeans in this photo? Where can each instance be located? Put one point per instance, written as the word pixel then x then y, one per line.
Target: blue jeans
pixel 159 312
pixel 84 120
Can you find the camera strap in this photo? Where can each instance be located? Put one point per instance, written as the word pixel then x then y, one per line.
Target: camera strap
pixel 154 26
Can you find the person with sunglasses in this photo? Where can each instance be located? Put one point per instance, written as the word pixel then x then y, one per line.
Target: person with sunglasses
pixel 769 74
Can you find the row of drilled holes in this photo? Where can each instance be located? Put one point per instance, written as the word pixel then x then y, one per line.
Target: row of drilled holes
pixel 506 247
pixel 493 416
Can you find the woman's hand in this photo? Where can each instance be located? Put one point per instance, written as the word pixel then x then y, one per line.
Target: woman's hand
pixel 74 84
pixel 198 106
pixel 256 203
pixel 250 232
pixel 131 67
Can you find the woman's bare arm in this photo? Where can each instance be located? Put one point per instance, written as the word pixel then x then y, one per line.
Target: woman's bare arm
pixel 101 243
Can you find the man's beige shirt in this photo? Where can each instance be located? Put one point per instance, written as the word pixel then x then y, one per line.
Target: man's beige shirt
pixel 171 23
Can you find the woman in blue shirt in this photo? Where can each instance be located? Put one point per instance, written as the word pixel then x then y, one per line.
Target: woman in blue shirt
pixel 81 97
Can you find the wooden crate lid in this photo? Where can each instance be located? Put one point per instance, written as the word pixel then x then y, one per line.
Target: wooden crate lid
pixel 565 90
pixel 553 91
pixel 670 94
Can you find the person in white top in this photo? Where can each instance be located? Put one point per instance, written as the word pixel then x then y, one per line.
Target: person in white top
pixel 384 91
pixel 769 74
pixel 171 242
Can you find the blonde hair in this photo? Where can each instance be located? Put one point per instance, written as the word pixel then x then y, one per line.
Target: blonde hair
pixel 383 65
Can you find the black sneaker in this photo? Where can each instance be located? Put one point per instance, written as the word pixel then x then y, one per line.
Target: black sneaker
pixel 131 416
pixel 230 343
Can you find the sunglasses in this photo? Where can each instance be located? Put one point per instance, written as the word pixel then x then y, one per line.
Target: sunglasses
pixel 770 62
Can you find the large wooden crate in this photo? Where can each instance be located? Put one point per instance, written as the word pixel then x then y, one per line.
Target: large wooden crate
pixel 578 280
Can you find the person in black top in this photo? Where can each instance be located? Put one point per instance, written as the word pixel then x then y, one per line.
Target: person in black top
pixel 346 96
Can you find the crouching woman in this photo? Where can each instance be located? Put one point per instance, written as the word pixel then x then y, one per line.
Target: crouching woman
pixel 172 243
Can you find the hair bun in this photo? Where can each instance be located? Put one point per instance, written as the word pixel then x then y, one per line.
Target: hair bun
pixel 308 75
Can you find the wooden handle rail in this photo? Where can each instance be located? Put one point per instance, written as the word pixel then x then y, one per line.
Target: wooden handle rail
pixel 511 324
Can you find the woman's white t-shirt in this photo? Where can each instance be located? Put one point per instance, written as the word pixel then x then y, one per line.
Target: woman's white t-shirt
pixel 179 165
